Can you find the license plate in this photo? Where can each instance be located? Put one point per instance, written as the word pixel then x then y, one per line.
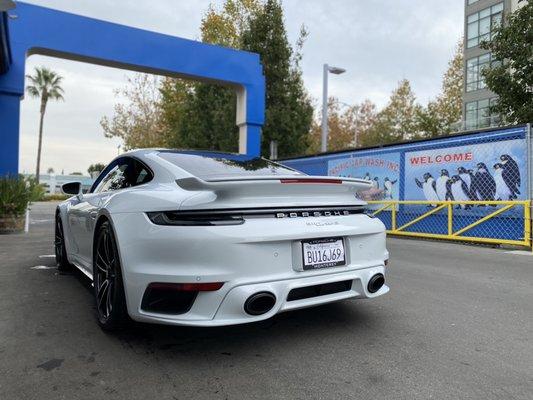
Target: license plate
pixel 323 253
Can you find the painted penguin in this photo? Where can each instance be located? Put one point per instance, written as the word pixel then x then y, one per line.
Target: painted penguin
pixel 503 191
pixel 449 193
pixel 511 174
pixel 429 186
pixel 460 191
pixel 473 194
pixel 483 184
pixel 442 185
pixel 375 183
pixel 388 187
pixel 465 176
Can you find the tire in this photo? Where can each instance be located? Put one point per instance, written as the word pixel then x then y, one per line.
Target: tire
pixel 59 245
pixel 111 310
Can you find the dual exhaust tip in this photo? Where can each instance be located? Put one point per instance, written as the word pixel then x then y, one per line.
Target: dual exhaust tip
pixel 262 302
pixel 375 283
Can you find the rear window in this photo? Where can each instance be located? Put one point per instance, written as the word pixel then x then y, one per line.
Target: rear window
pixel 213 165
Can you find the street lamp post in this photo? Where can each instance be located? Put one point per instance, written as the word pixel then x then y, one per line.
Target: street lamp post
pixel 336 71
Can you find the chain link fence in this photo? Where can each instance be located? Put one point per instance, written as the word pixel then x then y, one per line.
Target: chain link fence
pixel 473 187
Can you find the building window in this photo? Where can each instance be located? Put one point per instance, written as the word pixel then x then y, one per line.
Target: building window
pixel 477 114
pixel 481 25
pixel 472 1
pixel 474 67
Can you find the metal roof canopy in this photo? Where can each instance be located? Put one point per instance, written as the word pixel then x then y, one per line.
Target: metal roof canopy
pixel 31 29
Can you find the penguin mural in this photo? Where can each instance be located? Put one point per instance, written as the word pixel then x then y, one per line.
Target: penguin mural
pixel 483 184
pixel 387 184
pixel 367 177
pixel 429 186
pixel 503 191
pixel 511 174
pixel 460 191
pixel 443 190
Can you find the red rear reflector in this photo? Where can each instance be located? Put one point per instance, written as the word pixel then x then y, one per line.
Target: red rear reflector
pixel 187 287
pixel 314 180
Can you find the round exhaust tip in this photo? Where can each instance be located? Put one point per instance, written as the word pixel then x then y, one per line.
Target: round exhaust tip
pixel 259 303
pixel 375 283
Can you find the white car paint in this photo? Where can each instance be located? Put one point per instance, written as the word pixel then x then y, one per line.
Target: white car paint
pixel 262 254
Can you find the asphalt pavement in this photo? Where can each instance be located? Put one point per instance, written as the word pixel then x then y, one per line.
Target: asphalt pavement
pixel 457 324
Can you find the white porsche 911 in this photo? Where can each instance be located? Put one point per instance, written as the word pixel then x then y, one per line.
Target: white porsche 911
pixel 208 239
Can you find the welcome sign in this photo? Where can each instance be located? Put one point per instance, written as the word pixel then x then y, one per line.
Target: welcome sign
pixel 484 171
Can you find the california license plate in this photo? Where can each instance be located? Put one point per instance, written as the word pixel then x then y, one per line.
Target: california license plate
pixel 323 253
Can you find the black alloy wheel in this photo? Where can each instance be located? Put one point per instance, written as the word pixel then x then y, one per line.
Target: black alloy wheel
pixel 111 308
pixel 59 246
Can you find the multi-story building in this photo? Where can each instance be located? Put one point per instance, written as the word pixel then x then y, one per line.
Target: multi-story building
pixel 481 18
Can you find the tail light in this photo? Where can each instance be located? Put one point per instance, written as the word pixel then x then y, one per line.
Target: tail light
pixel 176 218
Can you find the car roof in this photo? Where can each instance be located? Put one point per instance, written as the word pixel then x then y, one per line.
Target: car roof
pixel 203 153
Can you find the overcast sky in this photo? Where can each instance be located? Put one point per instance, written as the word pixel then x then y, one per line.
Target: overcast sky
pixel 379 42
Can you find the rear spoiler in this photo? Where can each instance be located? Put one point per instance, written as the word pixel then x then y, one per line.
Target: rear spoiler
pixel 222 184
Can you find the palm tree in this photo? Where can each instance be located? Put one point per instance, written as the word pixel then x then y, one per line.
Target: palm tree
pixel 46 85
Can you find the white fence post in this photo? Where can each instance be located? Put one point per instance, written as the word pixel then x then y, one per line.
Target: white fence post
pixel 27 221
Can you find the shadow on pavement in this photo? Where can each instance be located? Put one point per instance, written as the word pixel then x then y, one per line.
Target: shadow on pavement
pixel 313 324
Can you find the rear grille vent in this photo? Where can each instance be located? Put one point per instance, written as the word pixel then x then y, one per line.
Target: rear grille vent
pixel 308 292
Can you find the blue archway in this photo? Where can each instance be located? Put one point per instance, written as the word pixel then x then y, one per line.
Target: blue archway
pixel 30 29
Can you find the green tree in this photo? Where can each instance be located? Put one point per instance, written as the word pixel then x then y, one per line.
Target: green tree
pixel 347 124
pixel 512 80
pixel 397 121
pixel 202 115
pixel 443 115
pixel 97 167
pixel 138 121
pixel 46 85
pixel 289 112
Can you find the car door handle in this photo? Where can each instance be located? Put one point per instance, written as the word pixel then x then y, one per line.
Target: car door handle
pixel 93 214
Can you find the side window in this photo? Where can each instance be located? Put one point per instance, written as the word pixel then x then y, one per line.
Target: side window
pixel 141 174
pixel 115 179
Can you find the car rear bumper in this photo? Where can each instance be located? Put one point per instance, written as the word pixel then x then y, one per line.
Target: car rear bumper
pixel 230 301
pixel 258 256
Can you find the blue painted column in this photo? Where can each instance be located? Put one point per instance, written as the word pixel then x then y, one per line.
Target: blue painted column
pixel 9 132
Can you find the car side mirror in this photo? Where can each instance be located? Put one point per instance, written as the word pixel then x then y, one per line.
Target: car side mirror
pixel 73 188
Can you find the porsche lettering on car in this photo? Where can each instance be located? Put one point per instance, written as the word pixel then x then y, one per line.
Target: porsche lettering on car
pixel 204 238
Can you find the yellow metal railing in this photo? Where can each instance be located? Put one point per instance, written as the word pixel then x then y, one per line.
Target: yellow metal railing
pixel 435 206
